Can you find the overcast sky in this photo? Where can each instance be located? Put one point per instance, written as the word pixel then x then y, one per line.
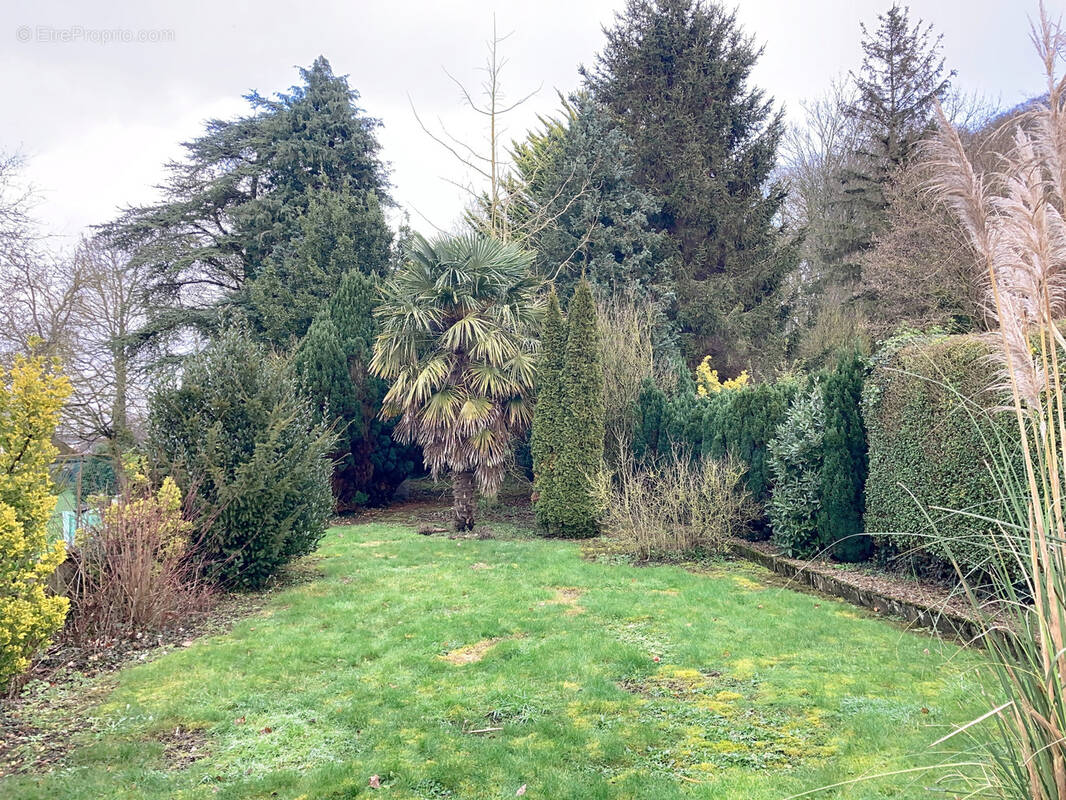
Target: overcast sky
pixel 97 119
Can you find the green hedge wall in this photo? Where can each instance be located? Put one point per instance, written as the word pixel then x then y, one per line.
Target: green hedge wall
pixel 735 422
pixel 932 432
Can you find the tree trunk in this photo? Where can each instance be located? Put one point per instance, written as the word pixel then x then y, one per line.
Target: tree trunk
pixel 463 500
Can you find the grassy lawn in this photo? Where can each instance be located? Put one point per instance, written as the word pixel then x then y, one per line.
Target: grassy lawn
pixel 467 668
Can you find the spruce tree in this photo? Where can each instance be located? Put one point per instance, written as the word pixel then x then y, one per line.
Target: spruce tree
pixel 675 76
pixel 585 217
pixel 902 76
pixel 845 462
pixel 547 437
pixel 581 455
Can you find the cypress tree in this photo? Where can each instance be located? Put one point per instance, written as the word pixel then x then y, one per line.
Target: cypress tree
pixel 581 455
pixel 322 372
pixel 845 462
pixel 548 415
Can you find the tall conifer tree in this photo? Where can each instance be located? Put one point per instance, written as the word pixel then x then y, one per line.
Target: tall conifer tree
pixel 581 456
pixel 263 197
pixel 675 75
pixel 548 415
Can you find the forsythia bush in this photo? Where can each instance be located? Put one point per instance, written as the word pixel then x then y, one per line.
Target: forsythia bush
pixel 31 395
pixel 707 381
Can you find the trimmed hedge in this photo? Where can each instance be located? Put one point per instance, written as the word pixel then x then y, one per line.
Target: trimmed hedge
pixel 932 434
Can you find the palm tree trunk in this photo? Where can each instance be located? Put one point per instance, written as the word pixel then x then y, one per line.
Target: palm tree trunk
pixel 463 500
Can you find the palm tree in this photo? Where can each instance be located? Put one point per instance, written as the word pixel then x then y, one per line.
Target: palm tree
pixel 457 345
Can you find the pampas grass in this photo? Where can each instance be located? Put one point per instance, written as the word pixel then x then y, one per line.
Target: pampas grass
pixel 1014 219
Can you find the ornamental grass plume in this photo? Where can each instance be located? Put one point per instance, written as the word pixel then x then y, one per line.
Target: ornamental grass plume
pixel 1014 219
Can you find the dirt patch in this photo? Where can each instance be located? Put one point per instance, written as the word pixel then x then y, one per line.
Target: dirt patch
pixel 471 653
pixel 481 565
pixel 567 596
pixel 667 592
pixel 182 747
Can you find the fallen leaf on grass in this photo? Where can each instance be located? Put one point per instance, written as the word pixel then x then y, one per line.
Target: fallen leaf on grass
pixel 521 790
pixel 375 782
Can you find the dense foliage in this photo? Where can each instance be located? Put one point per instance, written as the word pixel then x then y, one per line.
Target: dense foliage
pixel 331 363
pixel 575 201
pixel 237 431
pixel 795 460
pixel 456 344
pixel 844 462
pixel 932 441
pixel 737 423
pixel 546 441
pixel 31 396
pixel 674 74
pixel 266 212
pixel 580 455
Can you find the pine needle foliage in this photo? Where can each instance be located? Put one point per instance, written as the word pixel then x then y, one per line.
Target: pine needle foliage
pixel 580 459
pixel 331 363
pixel 548 435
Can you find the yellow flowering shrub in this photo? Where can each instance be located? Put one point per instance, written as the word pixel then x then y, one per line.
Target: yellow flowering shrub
pixel 707 381
pixel 32 393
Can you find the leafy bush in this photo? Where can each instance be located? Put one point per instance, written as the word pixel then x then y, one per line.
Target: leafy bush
pixel 931 440
pixel 238 429
pixel 795 460
pixel 676 506
pixel 137 569
pixel 31 396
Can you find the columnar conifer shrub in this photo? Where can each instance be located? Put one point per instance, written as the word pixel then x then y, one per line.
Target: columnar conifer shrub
pixel 547 437
pixel 238 429
pixel 795 460
pixel 580 458
pixel 331 364
pixel 31 396
pixel 844 462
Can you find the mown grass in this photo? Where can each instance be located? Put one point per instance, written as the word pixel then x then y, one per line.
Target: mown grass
pixel 757 691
